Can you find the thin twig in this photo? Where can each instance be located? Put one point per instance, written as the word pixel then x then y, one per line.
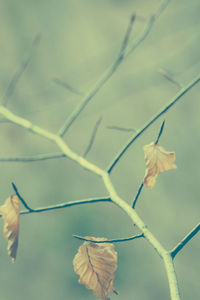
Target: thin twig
pixel 138 194
pixel 160 132
pixel 67 86
pixel 65 204
pixel 110 241
pixel 73 116
pixel 174 100
pixel 16 77
pixel 92 138
pixel 21 199
pixel 184 241
pixel 33 158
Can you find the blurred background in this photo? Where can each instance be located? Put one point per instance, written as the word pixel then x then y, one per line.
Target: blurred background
pixel 75 42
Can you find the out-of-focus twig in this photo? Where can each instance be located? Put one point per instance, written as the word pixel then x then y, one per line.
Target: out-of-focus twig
pixel 92 138
pixel 17 75
pixel 169 77
pixel 33 158
pixel 67 86
pixel 121 128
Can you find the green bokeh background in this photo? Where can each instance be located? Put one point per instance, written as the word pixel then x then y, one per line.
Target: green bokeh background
pixel 79 40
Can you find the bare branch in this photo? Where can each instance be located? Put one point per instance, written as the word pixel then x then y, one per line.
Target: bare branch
pixel 67 86
pixel 92 138
pixel 34 158
pixel 185 241
pixel 174 100
pixel 16 77
pixel 110 241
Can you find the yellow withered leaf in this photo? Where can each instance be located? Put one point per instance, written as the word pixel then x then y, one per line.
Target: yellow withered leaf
pixel 96 264
pixel 10 212
pixel 158 160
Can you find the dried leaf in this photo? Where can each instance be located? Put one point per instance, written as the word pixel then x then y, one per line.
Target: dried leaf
pixel 96 265
pixel 10 213
pixel 158 160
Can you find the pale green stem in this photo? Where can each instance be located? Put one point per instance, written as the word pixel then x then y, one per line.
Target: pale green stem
pixel 171 275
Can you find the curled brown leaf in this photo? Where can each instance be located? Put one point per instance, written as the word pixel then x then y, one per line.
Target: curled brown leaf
pixel 96 265
pixel 158 160
pixel 10 213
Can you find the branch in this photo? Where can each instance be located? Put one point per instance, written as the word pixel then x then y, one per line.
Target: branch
pixel 185 240
pixel 33 158
pixel 94 132
pixel 135 218
pixel 174 100
pixel 65 204
pixel 109 241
